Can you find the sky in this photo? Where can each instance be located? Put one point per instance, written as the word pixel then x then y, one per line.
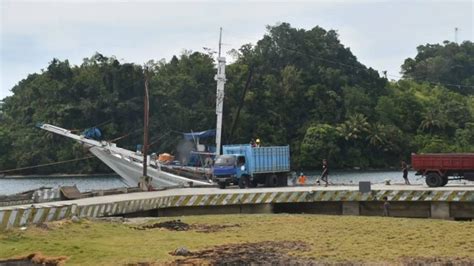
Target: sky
pixel 381 34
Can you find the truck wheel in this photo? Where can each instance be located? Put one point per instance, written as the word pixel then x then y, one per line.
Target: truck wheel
pixel 222 185
pixel 243 181
pixel 434 180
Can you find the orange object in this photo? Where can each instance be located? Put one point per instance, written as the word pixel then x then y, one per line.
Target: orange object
pixel 302 179
pixel 165 158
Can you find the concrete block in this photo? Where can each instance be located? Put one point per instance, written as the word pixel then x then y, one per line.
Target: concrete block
pixel 462 210
pixel 350 208
pixel 409 209
pixel 440 210
pixel 364 187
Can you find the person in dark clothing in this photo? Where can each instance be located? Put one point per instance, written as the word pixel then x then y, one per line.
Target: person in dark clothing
pixel 386 207
pixel 325 173
pixel 405 172
pixel 252 143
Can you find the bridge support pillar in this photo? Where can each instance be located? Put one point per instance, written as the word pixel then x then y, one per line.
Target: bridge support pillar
pixel 440 210
pixel 350 208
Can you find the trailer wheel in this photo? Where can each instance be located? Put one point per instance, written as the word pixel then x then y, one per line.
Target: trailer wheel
pixel 253 183
pixel 282 180
pixel 434 180
pixel 222 185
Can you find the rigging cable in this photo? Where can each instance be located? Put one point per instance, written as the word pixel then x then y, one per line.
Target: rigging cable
pixel 98 125
pixel 47 164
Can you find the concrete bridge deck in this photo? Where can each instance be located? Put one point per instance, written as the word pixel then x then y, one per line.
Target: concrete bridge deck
pixel 409 201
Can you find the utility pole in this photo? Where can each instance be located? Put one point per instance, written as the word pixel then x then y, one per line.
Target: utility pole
pixel 220 78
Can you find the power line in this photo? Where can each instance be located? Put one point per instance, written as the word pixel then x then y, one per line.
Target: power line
pixel 434 82
pixel 324 59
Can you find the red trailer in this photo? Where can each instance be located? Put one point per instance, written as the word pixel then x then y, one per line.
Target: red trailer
pixel 438 168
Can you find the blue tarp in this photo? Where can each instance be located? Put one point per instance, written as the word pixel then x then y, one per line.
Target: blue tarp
pixel 92 133
pixel 202 134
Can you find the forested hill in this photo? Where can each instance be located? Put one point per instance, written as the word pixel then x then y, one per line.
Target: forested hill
pixel 294 86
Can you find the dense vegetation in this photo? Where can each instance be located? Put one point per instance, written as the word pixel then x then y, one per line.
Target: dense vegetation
pixel 294 86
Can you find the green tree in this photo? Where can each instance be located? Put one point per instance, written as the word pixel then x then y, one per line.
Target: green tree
pixel 321 142
pixel 449 63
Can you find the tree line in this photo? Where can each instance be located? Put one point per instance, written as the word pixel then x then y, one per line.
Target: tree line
pixel 294 86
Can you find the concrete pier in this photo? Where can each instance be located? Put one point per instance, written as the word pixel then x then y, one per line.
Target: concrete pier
pixel 455 202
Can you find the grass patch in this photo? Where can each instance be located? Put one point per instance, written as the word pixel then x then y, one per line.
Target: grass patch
pixel 330 238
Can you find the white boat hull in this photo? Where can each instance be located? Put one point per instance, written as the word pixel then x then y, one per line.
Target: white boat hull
pixel 128 164
pixel 131 171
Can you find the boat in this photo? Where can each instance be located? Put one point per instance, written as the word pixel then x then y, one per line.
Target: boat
pixel 132 166
pixel 129 164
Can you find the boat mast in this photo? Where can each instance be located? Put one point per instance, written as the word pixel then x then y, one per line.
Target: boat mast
pixel 145 124
pixel 220 78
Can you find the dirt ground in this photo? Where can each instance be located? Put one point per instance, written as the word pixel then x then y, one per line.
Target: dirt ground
pixel 178 225
pixel 173 225
pixel 267 252
pixel 279 253
pixel 35 259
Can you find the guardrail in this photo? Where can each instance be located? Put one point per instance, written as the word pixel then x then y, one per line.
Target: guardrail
pixel 409 203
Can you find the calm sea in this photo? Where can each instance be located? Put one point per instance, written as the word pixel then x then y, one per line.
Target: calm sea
pixel 11 186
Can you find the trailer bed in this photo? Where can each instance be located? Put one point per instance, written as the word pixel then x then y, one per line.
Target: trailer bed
pixel 443 161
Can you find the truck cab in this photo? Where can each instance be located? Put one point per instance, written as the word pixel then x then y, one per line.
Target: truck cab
pixel 229 168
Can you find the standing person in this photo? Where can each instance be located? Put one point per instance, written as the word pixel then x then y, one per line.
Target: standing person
pixel 325 173
pixel 405 172
pixel 386 207
pixel 252 143
pixel 302 179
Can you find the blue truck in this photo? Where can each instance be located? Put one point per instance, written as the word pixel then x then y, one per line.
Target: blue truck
pixel 249 166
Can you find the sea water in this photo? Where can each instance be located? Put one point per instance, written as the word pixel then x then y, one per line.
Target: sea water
pixel 12 186
pixel 83 183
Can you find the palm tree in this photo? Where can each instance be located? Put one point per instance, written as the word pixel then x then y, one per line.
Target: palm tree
pixel 377 136
pixel 354 127
pixel 432 119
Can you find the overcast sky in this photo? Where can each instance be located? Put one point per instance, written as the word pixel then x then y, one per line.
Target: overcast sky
pixel 380 33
